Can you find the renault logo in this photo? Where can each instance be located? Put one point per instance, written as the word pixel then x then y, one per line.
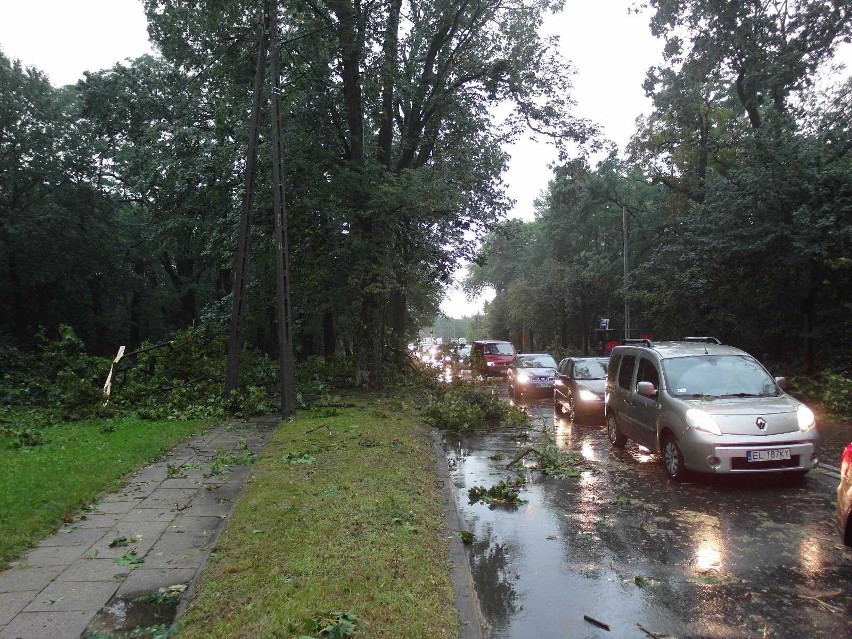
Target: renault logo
pixel 761 423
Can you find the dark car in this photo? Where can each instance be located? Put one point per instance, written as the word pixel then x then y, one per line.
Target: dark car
pixel 578 390
pixel 491 357
pixel 531 373
pixel 844 497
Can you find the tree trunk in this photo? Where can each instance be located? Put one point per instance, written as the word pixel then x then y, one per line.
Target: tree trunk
pixel 100 329
pixel 329 338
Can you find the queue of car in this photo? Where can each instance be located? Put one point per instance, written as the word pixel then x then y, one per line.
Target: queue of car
pixel 704 407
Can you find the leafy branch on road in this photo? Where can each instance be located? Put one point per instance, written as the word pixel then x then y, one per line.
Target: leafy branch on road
pixel 550 459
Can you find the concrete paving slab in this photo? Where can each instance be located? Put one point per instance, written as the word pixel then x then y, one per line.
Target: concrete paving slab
pixel 94 570
pixel 147 580
pixel 220 510
pixel 173 499
pixel 11 603
pixel 47 625
pixel 190 482
pixel 117 507
pixel 74 535
pixel 195 525
pixel 149 514
pixel 171 557
pixel 28 578
pixel 67 597
pixel 97 520
pixel 52 556
pixel 138 535
pixel 140 490
pixel 150 474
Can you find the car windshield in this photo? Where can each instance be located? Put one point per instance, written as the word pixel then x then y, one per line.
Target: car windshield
pixel 535 361
pixel 499 348
pixel 718 376
pixel 590 368
pixel 464 351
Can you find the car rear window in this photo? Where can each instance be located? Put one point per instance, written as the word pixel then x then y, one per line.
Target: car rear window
pixel 500 348
pixel 535 361
pixel 590 368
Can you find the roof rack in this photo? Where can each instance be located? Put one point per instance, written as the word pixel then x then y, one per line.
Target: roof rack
pixel 641 342
pixel 702 340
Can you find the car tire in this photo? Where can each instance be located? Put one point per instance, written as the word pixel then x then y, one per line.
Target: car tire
pixel 673 459
pixel 616 437
pixel 572 410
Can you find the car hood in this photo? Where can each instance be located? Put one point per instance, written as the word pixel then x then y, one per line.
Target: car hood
pixel 597 386
pixel 740 415
pixel 538 372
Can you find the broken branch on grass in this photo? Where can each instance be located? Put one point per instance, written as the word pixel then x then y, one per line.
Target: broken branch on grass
pixel 655 635
pixel 595 622
pixel 526 451
pixel 819 600
pixel 310 430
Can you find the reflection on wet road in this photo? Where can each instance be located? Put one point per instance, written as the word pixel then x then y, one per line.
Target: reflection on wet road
pixel 727 559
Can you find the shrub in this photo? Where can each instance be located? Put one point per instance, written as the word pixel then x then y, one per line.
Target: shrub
pixel 836 393
pixel 464 406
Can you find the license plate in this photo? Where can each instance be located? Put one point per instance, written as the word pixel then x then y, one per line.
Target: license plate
pixel 774 454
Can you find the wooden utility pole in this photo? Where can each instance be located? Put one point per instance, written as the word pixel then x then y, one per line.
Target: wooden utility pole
pixel 282 253
pixel 267 42
pixel 235 338
pixel 626 290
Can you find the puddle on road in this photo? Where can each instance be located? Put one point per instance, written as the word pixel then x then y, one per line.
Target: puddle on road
pixel 621 544
pixel 139 617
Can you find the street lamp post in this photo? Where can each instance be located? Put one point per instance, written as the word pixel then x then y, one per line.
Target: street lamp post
pixel 626 303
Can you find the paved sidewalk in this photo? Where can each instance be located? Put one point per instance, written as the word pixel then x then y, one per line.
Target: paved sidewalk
pixel 154 534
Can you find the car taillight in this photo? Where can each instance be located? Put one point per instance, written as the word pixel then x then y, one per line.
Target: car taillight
pixel 846 461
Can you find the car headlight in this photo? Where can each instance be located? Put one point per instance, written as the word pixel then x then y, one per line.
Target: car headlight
pixel 700 420
pixel 806 418
pixel 586 395
pixel 522 378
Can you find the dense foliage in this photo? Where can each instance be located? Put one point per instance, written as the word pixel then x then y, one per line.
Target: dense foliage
pixel 121 195
pixel 737 195
pixel 57 381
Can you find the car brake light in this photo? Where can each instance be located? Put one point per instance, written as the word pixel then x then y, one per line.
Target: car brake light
pixel 846 461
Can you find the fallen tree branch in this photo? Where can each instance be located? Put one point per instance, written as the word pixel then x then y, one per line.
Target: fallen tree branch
pixel 595 622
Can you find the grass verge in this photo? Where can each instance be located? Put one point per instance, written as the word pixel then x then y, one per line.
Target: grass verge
pixel 74 464
pixel 341 521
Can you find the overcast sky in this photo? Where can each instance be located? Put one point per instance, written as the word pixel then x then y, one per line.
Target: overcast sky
pixel 610 49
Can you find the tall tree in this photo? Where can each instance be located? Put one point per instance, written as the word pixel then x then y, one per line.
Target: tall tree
pixel 401 91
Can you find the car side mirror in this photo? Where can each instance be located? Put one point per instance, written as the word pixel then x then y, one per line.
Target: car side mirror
pixel 782 382
pixel 646 389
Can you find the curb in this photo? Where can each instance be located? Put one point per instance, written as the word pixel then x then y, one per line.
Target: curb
pixel 471 622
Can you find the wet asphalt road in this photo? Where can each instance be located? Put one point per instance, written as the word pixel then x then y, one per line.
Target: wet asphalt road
pixel 725 559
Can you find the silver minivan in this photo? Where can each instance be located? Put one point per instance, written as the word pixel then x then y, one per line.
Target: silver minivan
pixel 706 407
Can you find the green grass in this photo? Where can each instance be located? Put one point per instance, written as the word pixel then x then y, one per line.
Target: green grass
pixel 342 515
pixel 77 461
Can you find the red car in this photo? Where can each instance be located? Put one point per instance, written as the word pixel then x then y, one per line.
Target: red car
pixel 844 497
pixel 491 357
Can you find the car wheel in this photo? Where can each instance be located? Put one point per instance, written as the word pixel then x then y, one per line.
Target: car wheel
pixel 572 411
pixel 616 437
pixel 673 459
